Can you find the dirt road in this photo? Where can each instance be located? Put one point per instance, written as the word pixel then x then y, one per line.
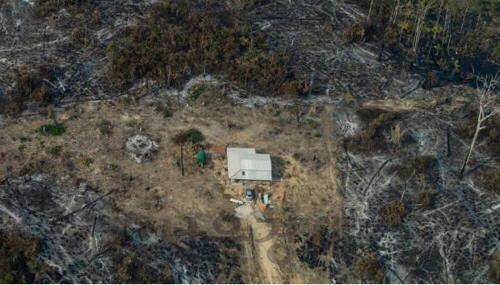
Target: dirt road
pixel 271 272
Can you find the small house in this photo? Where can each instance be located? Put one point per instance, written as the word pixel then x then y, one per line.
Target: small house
pixel 246 164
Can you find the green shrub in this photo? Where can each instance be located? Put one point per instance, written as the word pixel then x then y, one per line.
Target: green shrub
pixel 55 129
pixel 191 135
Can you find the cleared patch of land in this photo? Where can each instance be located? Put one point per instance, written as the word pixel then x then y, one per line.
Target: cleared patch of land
pixel 154 193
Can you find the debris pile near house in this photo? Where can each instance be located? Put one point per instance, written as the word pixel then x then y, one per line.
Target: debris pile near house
pixel 244 211
pixel 141 149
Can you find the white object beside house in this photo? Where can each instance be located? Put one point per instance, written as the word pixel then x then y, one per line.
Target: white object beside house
pixel 246 164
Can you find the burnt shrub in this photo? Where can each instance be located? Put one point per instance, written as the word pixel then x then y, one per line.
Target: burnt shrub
pixel 48 7
pixel 370 268
pixel 424 163
pixel 495 268
pixel 491 179
pixel 392 213
pixel 18 261
pixel 30 85
pixel 188 38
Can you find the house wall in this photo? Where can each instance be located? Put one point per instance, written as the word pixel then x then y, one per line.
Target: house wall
pixel 253 175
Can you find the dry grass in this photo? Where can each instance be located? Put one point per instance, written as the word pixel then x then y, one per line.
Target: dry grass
pixel 397 134
pixel 372 127
pixel 155 193
pixel 92 148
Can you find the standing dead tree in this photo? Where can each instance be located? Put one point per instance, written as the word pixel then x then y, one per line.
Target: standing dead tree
pixel 488 103
pixel 423 8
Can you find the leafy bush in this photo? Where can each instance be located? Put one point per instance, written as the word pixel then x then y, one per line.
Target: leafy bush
pixel 191 135
pixel 55 129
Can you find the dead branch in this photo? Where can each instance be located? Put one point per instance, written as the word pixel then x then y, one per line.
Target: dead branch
pixel 487 100
pixel 374 175
pixel 84 207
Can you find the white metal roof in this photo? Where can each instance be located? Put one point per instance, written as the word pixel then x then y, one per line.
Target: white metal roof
pixel 246 159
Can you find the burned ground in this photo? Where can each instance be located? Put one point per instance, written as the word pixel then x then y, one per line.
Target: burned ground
pixel 366 149
pixel 406 204
pixel 94 244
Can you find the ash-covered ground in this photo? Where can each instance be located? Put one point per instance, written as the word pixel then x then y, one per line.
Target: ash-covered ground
pixel 79 237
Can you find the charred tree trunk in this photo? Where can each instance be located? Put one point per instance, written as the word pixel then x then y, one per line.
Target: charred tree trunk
pixel 182 159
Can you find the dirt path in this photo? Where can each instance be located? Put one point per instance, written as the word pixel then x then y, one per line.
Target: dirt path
pixel 270 272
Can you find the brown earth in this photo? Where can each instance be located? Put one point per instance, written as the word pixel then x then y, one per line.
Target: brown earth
pixel 154 193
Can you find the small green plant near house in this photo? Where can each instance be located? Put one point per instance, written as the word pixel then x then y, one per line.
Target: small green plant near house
pixel 192 135
pixel 56 150
pixel 21 147
pixel 55 129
